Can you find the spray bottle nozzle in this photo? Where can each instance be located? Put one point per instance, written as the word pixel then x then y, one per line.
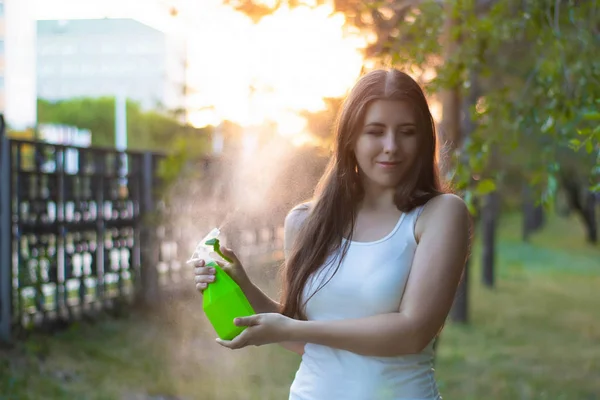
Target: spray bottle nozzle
pixel 202 248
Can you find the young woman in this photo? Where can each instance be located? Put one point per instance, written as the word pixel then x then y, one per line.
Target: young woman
pixel 372 263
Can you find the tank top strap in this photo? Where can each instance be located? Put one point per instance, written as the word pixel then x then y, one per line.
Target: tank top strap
pixel 412 216
pixel 418 210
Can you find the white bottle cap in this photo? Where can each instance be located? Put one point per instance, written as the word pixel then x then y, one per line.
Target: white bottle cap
pixel 202 251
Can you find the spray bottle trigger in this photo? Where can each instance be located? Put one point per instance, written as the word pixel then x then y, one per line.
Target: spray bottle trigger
pixel 214 242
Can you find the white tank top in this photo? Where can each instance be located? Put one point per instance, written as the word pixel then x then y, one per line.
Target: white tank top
pixel 370 281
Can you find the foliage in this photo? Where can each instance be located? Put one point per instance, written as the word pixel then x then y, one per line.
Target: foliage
pixel 321 122
pixel 538 75
pixel 146 130
pixel 535 62
pixel 540 79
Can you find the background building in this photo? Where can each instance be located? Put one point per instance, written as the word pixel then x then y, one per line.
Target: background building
pixel 108 57
pixel 2 56
pixel 17 63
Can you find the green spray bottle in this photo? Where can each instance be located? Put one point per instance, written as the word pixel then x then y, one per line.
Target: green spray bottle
pixel 223 299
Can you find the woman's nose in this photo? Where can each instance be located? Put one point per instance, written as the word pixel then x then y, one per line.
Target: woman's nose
pixel 390 144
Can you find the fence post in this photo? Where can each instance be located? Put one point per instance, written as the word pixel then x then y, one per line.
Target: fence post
pixel 5 237
pixel 149 288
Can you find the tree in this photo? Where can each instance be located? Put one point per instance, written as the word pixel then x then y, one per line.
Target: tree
pixel 147 130
pixel 321 123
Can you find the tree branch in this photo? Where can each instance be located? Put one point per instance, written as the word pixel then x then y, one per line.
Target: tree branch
pixel 556 16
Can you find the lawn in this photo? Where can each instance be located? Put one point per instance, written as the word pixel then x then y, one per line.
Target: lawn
pixel 535 336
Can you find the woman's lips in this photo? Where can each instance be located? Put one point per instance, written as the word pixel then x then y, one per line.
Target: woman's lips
pixel 388 164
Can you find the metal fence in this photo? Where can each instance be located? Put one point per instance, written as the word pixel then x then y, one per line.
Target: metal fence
pixel 74 240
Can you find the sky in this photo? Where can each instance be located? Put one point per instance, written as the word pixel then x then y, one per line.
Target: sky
pixel 245 72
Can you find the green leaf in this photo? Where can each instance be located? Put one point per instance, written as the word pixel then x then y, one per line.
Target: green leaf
pixel 589 147
pixel 592 116
pixel 552 185
pixel 574 144
pixel 548 124
pixel 485 186
pixel 468 197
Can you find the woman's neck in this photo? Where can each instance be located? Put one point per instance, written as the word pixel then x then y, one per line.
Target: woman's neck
pixel 377 199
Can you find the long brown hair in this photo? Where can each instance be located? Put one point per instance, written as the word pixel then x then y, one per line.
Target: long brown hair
pixel 333 211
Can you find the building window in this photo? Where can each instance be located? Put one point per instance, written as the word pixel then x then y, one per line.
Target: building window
pixel 1 7
pixel 68 50
pixel 1 46
pixel 47 69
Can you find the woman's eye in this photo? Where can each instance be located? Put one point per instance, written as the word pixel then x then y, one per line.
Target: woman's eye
pixel 408 132
pixel 374 132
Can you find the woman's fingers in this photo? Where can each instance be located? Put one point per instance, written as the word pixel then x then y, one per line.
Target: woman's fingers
pixel 204 271
pixel 227 252
pixel 203 276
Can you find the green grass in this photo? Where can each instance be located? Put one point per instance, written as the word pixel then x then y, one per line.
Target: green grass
pixel 536 335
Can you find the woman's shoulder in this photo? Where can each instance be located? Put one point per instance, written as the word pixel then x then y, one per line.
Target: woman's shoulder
pixel 446 208
pixel 293 222
pixel 446 202
pixel 297 215
pixel 302 207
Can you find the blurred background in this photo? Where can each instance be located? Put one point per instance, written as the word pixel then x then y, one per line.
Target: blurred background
pixel 130 129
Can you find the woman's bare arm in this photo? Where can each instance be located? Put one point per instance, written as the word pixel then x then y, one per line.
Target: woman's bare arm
pixel 436 270
pixel 259 300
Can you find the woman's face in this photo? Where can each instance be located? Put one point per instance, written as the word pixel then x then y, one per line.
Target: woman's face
pixel 387 144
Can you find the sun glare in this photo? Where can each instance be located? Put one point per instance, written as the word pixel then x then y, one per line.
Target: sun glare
pixel 269 71
pixel 245 72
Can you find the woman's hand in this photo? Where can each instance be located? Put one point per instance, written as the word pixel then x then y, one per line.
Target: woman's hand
pixel 206 275
pixel 262 329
